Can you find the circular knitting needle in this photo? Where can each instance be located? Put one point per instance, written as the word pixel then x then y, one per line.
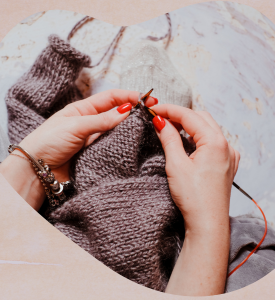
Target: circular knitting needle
pixel 144 97
pixel 236 186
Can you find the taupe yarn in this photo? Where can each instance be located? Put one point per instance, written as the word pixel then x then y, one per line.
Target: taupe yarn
pixel 123 213
pixel 45 88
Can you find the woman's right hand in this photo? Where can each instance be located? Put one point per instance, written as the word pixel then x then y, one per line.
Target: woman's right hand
pixel 200 185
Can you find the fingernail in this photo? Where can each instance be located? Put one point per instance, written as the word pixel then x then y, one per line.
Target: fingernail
pixel 124 108
pixel 156 100
pixel 159 123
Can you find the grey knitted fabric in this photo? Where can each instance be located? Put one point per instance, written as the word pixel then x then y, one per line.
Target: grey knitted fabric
pixel 147 66
pixel 246 233
pixel 121 211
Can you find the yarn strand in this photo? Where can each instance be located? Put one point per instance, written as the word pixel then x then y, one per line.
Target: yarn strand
pixel 114 42
pixel 79 25
pixel 259 244
pixel 167 35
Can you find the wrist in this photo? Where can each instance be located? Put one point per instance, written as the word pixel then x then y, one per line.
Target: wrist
pixel 23 178
pixel 208 227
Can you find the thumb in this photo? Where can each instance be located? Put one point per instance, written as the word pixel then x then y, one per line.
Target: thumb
pixel 170 140
pixel 85 126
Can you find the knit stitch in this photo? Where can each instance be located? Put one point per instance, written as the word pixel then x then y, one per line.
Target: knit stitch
pixel 45 88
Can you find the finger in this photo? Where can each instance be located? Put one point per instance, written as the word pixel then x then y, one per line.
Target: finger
pixel 209 119
pixel 178 126
pixel 85 126
pixel 234 153
pixel 170 140
pixel 91 138
pixel 191 122
pixel 237 160
pixel 102 102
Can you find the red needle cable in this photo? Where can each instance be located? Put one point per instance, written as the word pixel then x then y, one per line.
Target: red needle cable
pixel 255 249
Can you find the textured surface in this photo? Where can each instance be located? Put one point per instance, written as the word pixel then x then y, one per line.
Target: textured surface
pixel 225 51
pixel 147 66
pixel 34 255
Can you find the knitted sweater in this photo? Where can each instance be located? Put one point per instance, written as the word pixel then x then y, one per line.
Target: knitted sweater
pixel 121 211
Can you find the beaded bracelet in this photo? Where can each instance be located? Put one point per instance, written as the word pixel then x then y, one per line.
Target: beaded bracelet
pixel 53 188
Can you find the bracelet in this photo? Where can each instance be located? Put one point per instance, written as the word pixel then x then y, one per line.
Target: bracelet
pixel 53 188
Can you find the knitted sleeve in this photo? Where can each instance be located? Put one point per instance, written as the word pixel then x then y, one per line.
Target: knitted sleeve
pixel 47 87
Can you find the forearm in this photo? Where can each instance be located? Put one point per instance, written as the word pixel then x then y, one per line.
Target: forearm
pixel 201 268
pixel 22 177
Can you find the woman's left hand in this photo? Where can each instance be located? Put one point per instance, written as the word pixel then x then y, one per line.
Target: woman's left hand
pixel 63 135
pixel 79 124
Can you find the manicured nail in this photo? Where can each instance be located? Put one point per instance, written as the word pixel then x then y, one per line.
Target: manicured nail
pixel 156 100
pixel 124 108
pixel 159 123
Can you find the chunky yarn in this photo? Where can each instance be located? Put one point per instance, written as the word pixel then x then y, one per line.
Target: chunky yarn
pixel 45 88
pixel 122 212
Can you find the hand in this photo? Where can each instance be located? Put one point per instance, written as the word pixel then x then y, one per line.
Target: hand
pixel 200 185
pixel 78 125
pixel 63 135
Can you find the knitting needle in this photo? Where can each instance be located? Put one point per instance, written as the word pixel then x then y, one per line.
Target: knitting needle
pixel 144 98
pixel 241 190
pixel 236 186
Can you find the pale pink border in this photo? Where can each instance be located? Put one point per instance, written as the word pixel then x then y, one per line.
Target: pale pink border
pixel 36 260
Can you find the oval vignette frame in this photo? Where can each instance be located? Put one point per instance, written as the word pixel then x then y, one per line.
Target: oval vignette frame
pixel 38 261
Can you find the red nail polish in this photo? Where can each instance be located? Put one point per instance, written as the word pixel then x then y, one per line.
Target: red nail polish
pixel 159 123
pixel 156 100
pixel 124 108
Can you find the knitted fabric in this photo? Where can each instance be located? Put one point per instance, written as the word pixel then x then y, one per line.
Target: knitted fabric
pixel 45 88
pixel 149 66
pixel 121 211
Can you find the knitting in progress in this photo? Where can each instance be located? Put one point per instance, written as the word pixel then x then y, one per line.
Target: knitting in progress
pixel 121 211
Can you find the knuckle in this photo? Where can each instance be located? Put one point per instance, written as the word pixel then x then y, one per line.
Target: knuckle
pixel 104 121
pixel 74 122
pixel 221 144
pixel 233 155
pixel 238 155
pixel 68 107
pixel 110 94
pixel 205 113
pixel 168 141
